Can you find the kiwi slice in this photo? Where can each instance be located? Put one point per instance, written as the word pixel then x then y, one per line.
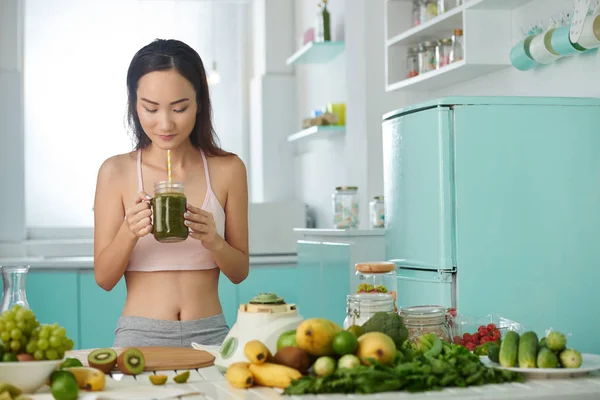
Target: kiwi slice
pixel 158 379
pixel 182 377
pixel 103 359
pixel 131 361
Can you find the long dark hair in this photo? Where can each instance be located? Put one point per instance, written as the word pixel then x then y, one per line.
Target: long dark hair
pixel 161 55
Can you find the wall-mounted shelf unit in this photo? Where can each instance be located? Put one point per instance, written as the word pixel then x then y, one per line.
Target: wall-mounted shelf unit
pixel 487 36
pixel 316 53
pixel 322 131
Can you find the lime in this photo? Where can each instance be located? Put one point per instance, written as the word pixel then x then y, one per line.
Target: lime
pixel 9 357
pixel 71 362
pixel 286 339
pixel 344 342
pixel 64 386
pixel 357 330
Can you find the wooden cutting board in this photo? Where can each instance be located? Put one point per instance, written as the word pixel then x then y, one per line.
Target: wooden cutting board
pixel 161 358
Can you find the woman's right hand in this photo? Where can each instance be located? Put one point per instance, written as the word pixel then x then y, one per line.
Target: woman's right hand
pixel 139 216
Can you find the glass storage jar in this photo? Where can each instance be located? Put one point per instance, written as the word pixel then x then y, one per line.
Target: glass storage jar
pixel 426 57
pixel 456 52
pixel 416 13
pixel 412 62
pixel 169 205
pixel 445 6
pixel 420 320
pixel 443 52
pixel 361 307
pixel 377 212
pixel 428 10
pixel 376 277
pixel 345 207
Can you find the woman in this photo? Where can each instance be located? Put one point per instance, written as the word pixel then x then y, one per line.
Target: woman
pixel 172 289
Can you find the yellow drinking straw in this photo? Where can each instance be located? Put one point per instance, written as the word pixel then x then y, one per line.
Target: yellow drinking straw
pixel 169 164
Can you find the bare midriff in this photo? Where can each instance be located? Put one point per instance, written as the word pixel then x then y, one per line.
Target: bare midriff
pixel 173 295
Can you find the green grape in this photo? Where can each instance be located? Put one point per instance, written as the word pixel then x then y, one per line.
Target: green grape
pixel 15 345
pixel 1 325
pixel 61 354
pixel 44 333
pixel 51 354
pixel 42 344
pixel 61 332
pixel 38 355
pixel 68 343
pixel 10 325
pixel 5 336
pixel 31 347
pixel 6 346
pixel 60 349
pixel 21 324
pixel 54 341
pixel 16 334
pixel 20 315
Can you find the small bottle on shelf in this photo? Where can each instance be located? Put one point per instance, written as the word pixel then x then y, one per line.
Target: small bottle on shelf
pixel 456 53
pixel 323 23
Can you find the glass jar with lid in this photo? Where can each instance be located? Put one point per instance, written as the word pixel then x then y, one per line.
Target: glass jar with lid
pixel 426 57
pixel 443 52
pixel 376 277
pixel 428 10
pixel 377 212
pixel 362 306
pixel 456 52
pixel 412 62
pixel 416 13
pixel 345 207
pixel 168 209
pixel 420 320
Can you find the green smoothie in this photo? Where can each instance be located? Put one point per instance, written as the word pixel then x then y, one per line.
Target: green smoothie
pixel 168 220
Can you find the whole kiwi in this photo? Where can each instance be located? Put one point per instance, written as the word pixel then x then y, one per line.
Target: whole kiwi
pixel 293 357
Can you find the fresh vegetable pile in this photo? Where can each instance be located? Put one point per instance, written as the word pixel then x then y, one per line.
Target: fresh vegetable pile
pixel 415 370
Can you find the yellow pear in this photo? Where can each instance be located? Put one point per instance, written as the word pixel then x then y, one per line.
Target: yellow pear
pixel 315 336
pixel 376 345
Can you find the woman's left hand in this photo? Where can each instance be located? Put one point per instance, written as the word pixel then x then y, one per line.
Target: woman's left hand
pixel 202 226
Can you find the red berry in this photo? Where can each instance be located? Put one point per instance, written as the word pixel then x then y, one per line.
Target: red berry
pixel 457 339
pixel 491 327
pixel 470 346
pixel 452 311
pixel 475 336
pixel 485 339
pixel 467 337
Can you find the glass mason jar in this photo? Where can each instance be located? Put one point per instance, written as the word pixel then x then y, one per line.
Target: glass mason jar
pixel 416 13
pixel 443 52
pixel 345 207
pixel 456 52
pixel 169 205
pixel 361 307
pixel 420 320
pixel 14 287
pixel 377 212
pixel 426 57
pixel 412 62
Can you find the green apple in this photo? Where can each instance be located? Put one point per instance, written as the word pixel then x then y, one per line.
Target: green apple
pixel 287 339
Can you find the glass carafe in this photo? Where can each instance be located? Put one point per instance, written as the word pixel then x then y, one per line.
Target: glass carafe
pixel 14 287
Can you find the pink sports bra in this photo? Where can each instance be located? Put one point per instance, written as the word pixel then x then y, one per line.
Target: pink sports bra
pixel 149 255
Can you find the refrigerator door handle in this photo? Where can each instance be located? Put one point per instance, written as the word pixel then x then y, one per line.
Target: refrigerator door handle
pixel 443 276
pixel 403 263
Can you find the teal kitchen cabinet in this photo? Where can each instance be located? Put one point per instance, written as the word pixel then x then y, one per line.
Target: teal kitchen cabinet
pixel 99 311
pixel 53 297
pixel 310 283
pixel 228 295
pixel 270 278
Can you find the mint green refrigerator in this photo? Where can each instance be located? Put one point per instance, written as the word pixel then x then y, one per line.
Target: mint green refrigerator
pixel 493 207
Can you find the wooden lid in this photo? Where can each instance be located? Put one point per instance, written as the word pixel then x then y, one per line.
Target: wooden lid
pixel 376 267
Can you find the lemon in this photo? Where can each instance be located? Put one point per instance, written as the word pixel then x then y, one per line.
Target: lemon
pixel 356 329
pixel 64 386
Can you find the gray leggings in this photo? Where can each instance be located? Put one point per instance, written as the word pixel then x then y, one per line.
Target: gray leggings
pixel 141 332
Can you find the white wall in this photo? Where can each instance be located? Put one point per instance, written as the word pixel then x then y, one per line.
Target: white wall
pixel 76 57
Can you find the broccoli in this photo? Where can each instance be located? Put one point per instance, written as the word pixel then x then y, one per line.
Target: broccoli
pixel 389 323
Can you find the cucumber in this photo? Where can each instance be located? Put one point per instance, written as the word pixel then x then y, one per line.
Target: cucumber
pixel 493 352
pixel 547 359
pixel 508 349
pixel 528 346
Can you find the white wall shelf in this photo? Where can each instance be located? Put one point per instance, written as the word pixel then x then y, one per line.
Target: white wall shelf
pixel 316 53
pixel 487 39
pixel 321 131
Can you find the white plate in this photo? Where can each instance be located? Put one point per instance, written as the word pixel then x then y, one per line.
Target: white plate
pixel 590 363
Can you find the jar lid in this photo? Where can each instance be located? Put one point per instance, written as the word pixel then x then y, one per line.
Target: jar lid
pixel 446 41
pixel 378 197
pixel 424 312
pixel 458 32
pixel 372 298
pixel 346 188
pixel 428 44
pixel 376 267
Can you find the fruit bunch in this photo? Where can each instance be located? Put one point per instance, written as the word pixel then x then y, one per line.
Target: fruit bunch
pixel 484 334
pixel 24 338
pixel 526 351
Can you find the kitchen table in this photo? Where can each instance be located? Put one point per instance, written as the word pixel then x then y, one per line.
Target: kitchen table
pixel 211 384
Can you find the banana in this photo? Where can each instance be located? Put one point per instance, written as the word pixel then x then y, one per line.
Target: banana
pixel 273 375
pixel 12 390
pixel 239 376
pixel 88 378
pixel 240 364
pixel 256 352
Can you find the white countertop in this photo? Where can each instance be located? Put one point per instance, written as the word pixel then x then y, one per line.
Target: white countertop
pixel 47 262
pixel 212 385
